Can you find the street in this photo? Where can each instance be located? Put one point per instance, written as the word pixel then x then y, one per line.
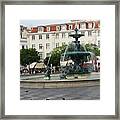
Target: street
pixel 79 93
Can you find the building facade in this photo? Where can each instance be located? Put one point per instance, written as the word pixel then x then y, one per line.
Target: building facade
pixel 23 37
pixel 45 38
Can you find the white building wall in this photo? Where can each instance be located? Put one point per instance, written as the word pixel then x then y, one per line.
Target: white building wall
pixel 53 40
pixel 23 40
pixel 23 44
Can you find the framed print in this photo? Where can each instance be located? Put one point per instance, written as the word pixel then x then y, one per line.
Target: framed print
pixel 59 60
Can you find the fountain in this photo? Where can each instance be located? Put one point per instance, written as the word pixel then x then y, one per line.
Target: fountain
pixel 74 58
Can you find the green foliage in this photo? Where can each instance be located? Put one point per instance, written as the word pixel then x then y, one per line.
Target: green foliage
pixel 28 56
pixel 55 56
pixel 93 48
pixel 56 53
pixel 46 60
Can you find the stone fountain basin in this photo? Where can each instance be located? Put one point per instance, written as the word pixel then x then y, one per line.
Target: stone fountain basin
pixel 58 83
pixel 64 83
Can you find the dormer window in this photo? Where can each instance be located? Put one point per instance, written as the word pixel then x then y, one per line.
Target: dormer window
pixel 90 25
pixel 70 27
pixel 58 28
pixel 40 29
pixel 83 25
pixel 77 26
pixel 48 29
pixel 63 27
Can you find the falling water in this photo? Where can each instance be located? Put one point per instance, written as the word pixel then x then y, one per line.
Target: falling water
pixel 84 48
pixel 65 52
pixel 48 60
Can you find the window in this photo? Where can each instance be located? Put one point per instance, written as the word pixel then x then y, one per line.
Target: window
pixel 47 46
pixel 26 47
pixel 57 35
pixel 69 34
pixel 23 47
pixel 47 36
pixel 99 43
pixel 98 32
pixel 82 32
pixel 63 43
pixel 40 36
pixel 89 33
pixel 70 27
pixel 48 29
pixel 33 37
pixel 28 35
pixel 41 55
pixel 24 34
pixel 33 46
pixel 40 29
pixel 20 34
pixel 57 45
pixel 47 54
pixel 40 46
pixel 94 31
pixel 63 35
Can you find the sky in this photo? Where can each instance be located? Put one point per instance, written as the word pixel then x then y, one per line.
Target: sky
pixel 30 23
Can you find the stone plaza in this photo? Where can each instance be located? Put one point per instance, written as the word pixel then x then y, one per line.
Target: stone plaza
pixel 79 93
pixel 79 89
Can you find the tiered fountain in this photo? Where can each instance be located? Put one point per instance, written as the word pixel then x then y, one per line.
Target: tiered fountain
pixel 75 56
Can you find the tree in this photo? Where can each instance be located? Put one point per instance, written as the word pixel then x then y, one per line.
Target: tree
pixel 28 56
pixel 55 56
pixel 93 48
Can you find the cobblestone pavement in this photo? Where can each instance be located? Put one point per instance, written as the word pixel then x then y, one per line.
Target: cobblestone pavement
pixel 80 93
